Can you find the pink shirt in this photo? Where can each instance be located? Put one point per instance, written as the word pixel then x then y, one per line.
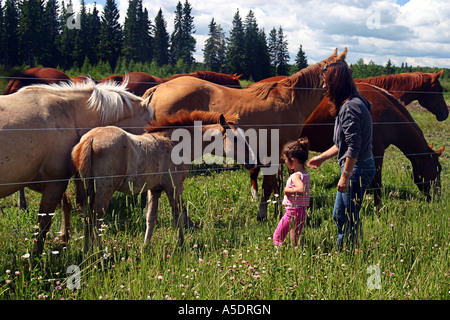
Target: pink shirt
pixel 295 200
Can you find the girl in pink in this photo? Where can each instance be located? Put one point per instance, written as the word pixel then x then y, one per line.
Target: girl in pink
pixel 296 193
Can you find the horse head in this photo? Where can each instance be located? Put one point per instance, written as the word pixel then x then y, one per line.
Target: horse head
pixel 434 100
pixel 428 178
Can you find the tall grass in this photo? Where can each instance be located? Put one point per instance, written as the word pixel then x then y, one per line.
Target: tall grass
pixel 230 254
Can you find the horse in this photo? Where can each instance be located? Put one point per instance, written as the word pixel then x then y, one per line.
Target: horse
pixel 407 87
pixel 35 76
pixel 139 82
pixel 115 160
pixel 39 126
pixel 392 124
pixel 265 110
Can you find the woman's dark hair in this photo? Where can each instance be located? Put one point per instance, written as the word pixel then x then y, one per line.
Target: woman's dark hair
pixel 340 85
pixel 296 149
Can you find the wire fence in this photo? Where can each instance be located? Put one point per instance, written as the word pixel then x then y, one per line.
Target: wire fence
pixel 204 170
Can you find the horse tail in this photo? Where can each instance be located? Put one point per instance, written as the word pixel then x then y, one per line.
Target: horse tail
pixel 10 87
pixel 81 158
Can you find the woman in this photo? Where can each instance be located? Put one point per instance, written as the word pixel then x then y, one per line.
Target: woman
pixel 353 146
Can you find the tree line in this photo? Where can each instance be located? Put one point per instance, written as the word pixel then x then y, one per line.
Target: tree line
pixel 38 32
pixel 41 33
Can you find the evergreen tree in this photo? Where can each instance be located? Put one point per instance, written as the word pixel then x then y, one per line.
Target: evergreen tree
pixel 214 51
pixel 235 46
pixel 161 40
pixel 264 69
pixel 282 53
pixel 30 30
pixel 110 37
pixel 251 46
pixel 66 39
pixel 389 68
pixel 300 60
pixel 50 30
pixel 2 41
pixel 92 26
pixel 182 42
pixel 272 45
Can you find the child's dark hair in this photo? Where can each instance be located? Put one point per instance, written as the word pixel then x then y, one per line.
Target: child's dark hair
pixel 298 149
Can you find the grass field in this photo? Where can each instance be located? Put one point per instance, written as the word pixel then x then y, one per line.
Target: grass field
pixel 404 254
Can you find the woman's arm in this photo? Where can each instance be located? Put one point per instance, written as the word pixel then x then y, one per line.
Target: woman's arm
pixel 316 161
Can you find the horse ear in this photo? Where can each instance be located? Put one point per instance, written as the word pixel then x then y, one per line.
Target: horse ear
pixel 439 74
pixel 343 54
pixel 334 52
pixel 440 151
pixel 223 122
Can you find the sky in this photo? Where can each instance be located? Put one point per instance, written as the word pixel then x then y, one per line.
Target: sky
pixel 416 31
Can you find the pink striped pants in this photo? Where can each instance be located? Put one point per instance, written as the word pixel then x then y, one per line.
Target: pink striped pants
pixel 292 220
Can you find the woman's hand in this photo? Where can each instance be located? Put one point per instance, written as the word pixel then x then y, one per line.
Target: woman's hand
pixel 315 162
pixel 343 184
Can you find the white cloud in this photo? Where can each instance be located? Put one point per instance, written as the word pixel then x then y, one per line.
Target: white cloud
pixel 417 32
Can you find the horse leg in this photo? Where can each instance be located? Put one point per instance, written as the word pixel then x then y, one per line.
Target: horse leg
pixel 152 213
pixel 377 181
pixel 176 203
pixel 51 197
pixel 267 186
pixel 254 181
pixel 65 220
pixel 22 199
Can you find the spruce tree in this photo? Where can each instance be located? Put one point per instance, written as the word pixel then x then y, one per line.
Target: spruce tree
pixel 214 51
pixel 282 56
pixel 235 53
pixel 50 29
pixel 182 42
pixel 110 38
pixel 251 47
pixel 161 40
pixel 300 61
pixel 30 31
pixel 130 27
pixel 11 39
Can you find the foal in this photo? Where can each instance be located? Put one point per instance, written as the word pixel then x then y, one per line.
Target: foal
pixel 110 159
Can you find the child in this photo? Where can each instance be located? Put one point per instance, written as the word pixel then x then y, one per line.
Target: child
pixel 296 193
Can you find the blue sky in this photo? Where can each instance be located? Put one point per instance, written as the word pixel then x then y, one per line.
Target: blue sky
pixel 416 31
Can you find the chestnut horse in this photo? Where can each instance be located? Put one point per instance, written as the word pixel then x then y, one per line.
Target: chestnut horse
pixel 35 76
pixel 407 87
pixel 139 82
pixel 264 110
pixel 39 126
pixel 392 124
pixel 110 159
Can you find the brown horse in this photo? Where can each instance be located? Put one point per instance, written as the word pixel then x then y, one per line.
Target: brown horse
pixel 39 126
pixel 392 125
pixel 407 87
pixel 115 160
pixel 35 76
pixel 263 112
pixel 139 82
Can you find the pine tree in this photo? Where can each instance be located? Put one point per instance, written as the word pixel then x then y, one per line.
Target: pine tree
pixel 264 69
pixel 273 49
pixel 11 39
pixel 2 35
pixel 130 27
pixel 161 40
pixel 110 38
pixel 300 60
pixel 50 30
pixel 389 68
pixel 250 48
pixel 67 38
pixel 282 59
pixel 235 46
pixel 214 51
pixel 182 42
pixel 30 30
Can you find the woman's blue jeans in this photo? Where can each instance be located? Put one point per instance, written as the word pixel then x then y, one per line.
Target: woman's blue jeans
pixel 348 205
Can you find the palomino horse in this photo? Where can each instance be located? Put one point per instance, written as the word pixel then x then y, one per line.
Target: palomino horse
pixel 392 124
pixel 139 82
pixel 39 126
pixel 35 76
pixel 407 87
pixel 265 110
pixel 115 160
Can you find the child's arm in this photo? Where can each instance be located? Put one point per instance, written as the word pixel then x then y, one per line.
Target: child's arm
pixel 299 187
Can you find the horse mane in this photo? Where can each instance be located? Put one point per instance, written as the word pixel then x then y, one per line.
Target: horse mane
pixel 396 82
pixel 184 118
pixel 106 98
pixel 217 77
pixel 305 78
